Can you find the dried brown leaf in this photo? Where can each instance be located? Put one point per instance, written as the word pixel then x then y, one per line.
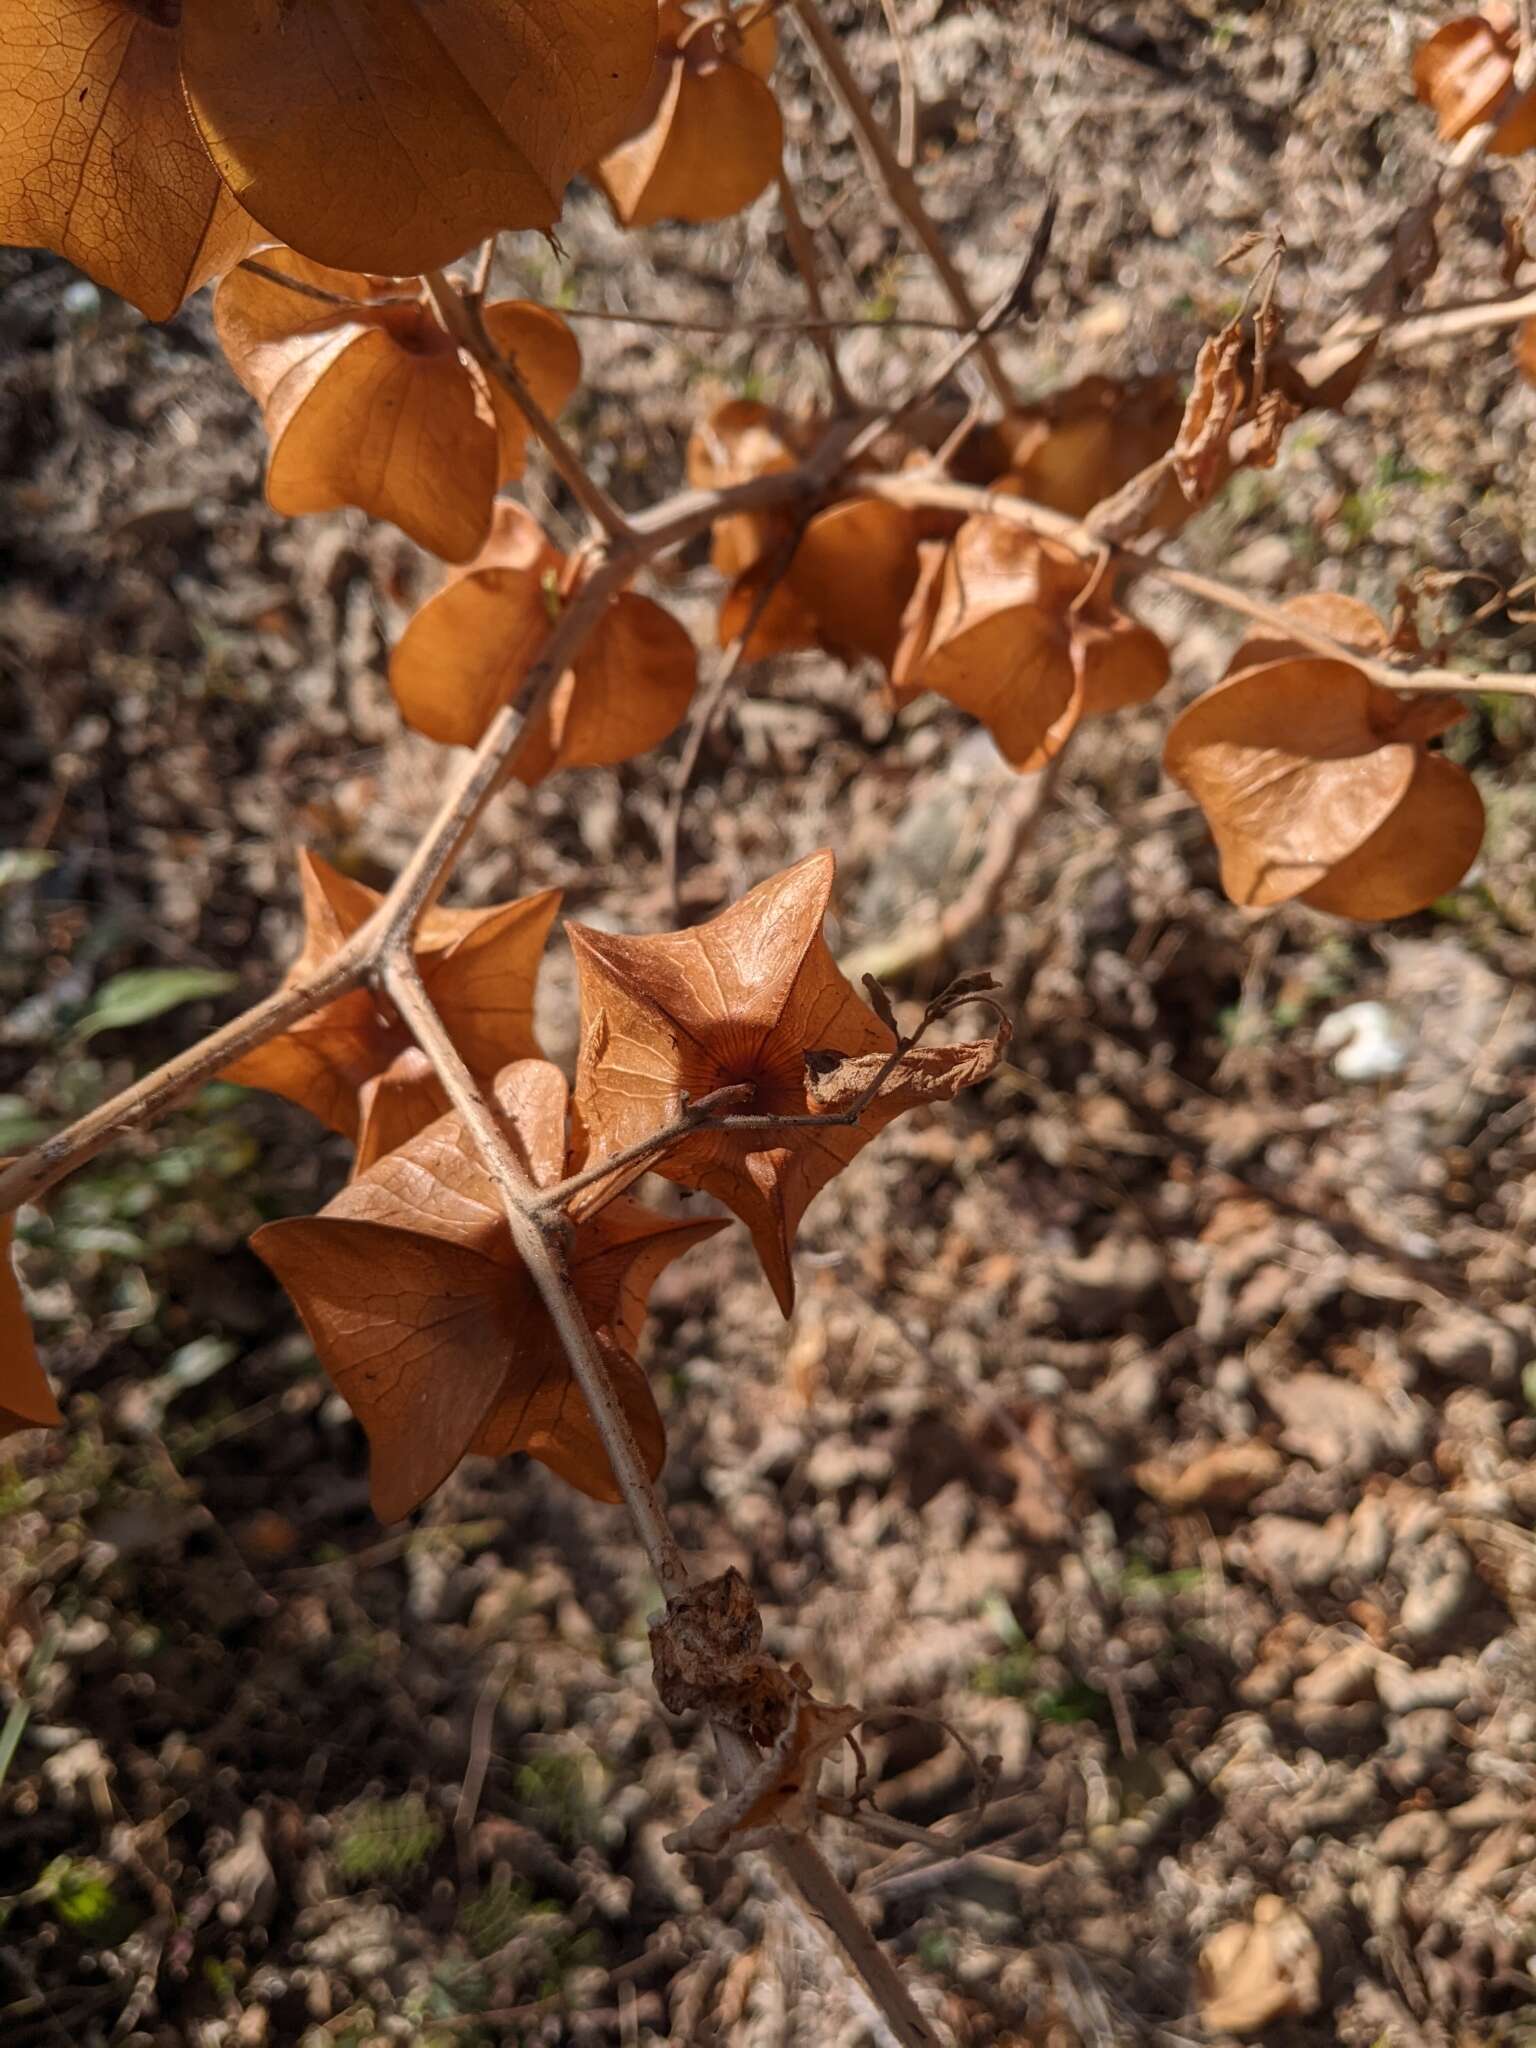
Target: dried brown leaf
pixel 926 1073
pixel 1020 635
pixel 738 1000
pixel 707 1657
pixel 99 157
pixel 1315 780
pixel 391 135
pixel 370 403
pixel 479 967
pixel 1464 71
pixel 467 651
pixel 1081 445
pixel 780 1794
pixel 854 572
pixel 1212 410
pixel 435 1332
pixel 709 136
pixel 26 1399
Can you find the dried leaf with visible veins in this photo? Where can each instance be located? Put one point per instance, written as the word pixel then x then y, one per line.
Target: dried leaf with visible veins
pixel 707 1657
pixel 739 1000
pixel 479 967
pixel 1316 781
pixel 370 403
pixel 26 1399
pixel 433 1329
pixel 780 1793
pixel 99 158
pixel 391 135
pixel 395 1105
pixel 1017 632
pixel 466 653
pixel 707 138
pixel 924 1073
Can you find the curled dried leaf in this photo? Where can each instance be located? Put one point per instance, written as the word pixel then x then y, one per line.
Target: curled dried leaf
pixel 99 158
pixel 707 1657
pixel 1025 636
pixel 1464 73
pixel 1214 406
pixel 434 1331
pixel 708 136
pixel 924 1073
pixel 479 967
pixel 739 1000
pixel 1315 779
pixel 781 1793
pixel 467 651
pixel 370 403
pixel 26 1399
pixel 1079 446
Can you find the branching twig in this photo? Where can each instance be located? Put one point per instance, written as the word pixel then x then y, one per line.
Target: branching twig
pixel 537 1238
pixel 923 488
pixel 899 183
pixel 464 319
pixel 1016 302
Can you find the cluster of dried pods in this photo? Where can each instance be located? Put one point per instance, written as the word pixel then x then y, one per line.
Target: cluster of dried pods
pixel 1319 782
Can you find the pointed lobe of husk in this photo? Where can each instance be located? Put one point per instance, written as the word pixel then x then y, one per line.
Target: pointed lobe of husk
pixel 741 999
pixel 478 966
pixel 434 1331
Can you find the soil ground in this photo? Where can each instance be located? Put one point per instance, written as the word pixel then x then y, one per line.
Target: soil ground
pixel 1159 1420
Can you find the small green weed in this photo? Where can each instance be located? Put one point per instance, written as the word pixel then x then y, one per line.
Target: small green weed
pixel 385 1841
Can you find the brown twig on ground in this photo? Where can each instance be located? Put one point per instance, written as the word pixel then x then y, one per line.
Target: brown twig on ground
pixel 899 183
pixel 906 120
pixel 1014 823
